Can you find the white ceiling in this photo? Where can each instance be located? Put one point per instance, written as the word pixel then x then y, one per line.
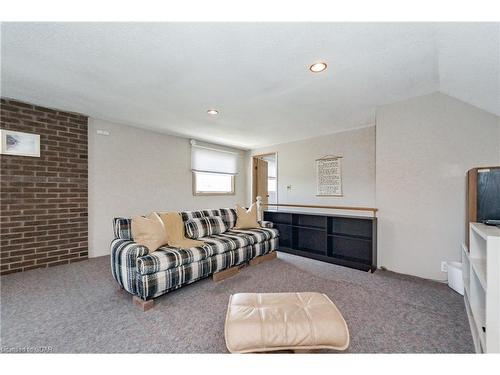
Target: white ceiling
pixel 164 76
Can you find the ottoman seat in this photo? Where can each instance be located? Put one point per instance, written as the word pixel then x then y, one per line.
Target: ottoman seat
pixel 262 322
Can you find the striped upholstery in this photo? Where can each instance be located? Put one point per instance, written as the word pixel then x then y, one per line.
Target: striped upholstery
pixel 168 268
pixel 169 257
pixel 124 255
pixel 205 226
pixel 156 284
pixel 186 215
pixel 227 241
pixel 229 216
pixel 266 224
pixel 262 248
pixel 122 228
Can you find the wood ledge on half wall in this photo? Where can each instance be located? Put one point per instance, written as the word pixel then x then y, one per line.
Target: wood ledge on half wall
pixel 372 210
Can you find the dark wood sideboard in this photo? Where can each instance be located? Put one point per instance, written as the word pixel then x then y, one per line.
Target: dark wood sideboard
pixel 349 241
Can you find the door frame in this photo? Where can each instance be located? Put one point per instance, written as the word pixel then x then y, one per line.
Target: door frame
pixel 254 174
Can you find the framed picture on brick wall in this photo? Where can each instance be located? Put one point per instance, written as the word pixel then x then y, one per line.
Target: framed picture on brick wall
pixel 19 143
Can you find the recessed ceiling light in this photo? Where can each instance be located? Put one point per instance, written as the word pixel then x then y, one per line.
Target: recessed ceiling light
pixel 318 67
pixel 213 112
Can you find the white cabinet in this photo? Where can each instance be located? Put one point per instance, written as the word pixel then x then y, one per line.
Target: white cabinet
pixel 481 273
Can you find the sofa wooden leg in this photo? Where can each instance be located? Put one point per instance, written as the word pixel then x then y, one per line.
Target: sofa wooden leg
pixel 219 276
pixel 144 305
pixel 263 258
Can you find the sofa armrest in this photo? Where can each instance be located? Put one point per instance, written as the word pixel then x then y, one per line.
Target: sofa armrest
pixel 266 224
pixel 124 254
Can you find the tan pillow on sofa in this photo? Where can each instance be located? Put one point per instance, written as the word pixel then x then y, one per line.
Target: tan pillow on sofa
pixel 246 219
pixel 149 231
pixel 174 228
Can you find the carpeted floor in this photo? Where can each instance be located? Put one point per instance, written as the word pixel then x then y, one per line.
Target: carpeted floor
pixel 79 308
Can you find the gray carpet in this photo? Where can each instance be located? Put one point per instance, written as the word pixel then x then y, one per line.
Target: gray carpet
pixel 79 308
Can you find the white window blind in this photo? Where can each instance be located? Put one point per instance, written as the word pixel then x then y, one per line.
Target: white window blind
pixel 212 160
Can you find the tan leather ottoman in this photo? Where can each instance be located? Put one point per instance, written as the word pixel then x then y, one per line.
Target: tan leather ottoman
pixel 264 322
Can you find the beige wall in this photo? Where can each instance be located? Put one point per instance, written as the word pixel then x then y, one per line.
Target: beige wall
pixel 297 167
pixel 134 171
pixel 424 146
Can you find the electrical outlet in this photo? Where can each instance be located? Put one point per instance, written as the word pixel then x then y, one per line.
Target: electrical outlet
pixel 444 267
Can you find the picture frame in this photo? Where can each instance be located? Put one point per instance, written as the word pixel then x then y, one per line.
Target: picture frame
pixel 329 176
pixel 19 143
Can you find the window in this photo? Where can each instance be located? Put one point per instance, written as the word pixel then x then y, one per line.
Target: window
pixel 213 183
pixel 213 170
pixel 271 184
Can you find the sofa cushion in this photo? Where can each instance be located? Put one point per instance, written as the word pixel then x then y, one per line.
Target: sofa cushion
pixel 167 257
pixel 205 226
pixel 220 243
pixel 187 215
pixel 257 234
pixel 229 216
pixel 158 283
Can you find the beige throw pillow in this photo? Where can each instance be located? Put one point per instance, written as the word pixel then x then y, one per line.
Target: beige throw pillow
pixel 174 227
pixel 149 231
pixel 246 219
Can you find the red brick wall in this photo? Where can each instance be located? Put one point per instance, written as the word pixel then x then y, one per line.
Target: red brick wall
pixel 43 201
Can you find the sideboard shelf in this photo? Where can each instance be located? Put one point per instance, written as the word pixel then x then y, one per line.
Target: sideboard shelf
pixel 349 241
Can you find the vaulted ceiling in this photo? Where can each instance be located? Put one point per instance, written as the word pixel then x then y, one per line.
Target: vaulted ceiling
pixel 164 76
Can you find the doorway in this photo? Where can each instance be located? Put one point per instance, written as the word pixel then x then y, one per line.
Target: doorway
pixel 265 177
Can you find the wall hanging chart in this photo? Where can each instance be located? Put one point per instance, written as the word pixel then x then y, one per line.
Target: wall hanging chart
pixel 329 175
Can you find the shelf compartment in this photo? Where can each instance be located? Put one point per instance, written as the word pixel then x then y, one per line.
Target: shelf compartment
pixel 309 221
pixel 479 268
pixel 341 262
pixel 478 242
pixel 477 300
pixel 285 237
pixel 466 268
pixel 354 249
pixel 478 316
pixel 472 323
pixel 309 240
pixel 350 226
pixel 278 217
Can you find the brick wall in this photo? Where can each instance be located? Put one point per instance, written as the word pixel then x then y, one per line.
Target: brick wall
pixel 43 201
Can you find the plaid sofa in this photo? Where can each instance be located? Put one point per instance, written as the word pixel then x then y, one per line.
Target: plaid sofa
pixel 168 268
